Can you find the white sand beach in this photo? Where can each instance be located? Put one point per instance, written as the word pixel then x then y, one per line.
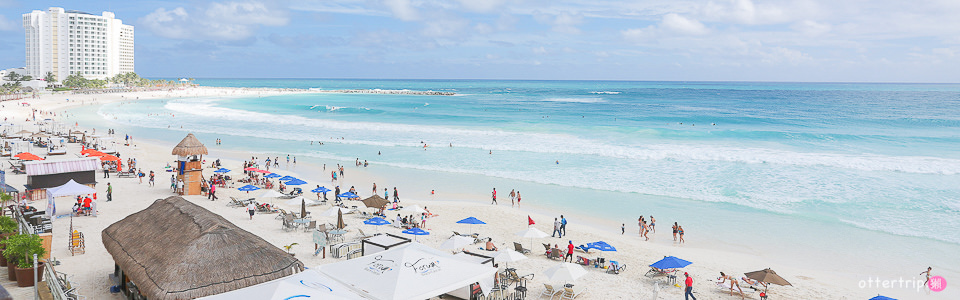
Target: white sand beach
pixel 90 270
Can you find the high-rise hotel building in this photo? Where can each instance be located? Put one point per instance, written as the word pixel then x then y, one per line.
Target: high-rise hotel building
pixel 69 42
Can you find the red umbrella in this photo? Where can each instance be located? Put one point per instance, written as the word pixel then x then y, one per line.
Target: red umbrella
pixel 92 152
pixel 27 156
pixel 250 169
pixel 261 171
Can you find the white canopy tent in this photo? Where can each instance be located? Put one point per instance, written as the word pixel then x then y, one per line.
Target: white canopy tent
pixel 306 284
pixel 412 271
pixel 71 188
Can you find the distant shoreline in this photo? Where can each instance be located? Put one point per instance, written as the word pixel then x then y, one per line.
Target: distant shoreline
pixel 386 92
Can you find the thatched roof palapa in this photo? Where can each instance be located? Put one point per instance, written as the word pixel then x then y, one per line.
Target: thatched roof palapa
pixel 189 252
pixel 190 145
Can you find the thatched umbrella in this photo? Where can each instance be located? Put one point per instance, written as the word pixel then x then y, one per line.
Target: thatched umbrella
pixel 189 252
pixel 375 201
pixel 190 145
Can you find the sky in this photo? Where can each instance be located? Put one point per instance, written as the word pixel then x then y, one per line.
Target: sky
pixel 669 40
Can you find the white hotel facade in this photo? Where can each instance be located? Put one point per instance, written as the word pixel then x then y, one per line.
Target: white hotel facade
pixel 69 42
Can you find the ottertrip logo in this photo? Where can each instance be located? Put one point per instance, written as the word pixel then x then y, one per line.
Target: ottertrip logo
pixel 936 283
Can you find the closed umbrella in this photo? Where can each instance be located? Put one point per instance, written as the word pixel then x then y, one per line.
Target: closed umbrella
pixel 303 209
pixel 340 223
pixel 565 272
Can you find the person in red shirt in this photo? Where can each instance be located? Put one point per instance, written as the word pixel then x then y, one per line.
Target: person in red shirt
pixel 569 252
pixel 689 291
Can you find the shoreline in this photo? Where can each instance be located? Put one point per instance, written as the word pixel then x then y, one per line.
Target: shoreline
pixel 821 284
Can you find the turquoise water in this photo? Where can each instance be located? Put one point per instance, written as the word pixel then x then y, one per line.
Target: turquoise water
pixel 846 165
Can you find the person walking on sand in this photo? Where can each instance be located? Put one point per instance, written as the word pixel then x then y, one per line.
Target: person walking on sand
pixel 494 202
pixel 336 193
pixel 653 224
pixel 152 177
pixel 106 173
pixel 109 192
pixel 623 228
pixel 563 225
pixel 374 188
pixel 928 274
pixel 688 293
pixel 173 183
pixel 513 198
pixel 569 252
pixel 680 231
pixel 386 194
pixel 674 231
pixel 556 228
pixel 518 199
pixel 180 186
pixel 213 192
pixel 396 195
pixel 251 208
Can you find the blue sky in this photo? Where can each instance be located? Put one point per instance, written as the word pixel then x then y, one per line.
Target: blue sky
pixel 724 40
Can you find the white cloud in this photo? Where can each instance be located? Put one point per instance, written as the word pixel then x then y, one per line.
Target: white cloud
pixel 811 28
pixel 563 22
pixel 681 25
pixel 481 5
pixel 224 21
pixel 402 9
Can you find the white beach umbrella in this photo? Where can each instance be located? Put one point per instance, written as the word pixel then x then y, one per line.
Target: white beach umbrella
pixel 507 255
pixel 295 201
pixel 332 212
pixel 416 209
pixel 272 194
pixel 565 272
pixel 532 233
pixel 456 242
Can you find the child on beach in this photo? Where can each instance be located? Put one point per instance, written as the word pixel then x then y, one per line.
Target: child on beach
pixel 623 228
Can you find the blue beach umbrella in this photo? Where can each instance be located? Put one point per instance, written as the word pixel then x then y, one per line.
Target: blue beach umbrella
pixel 670 262
pixel 349 195
pixel 602 246
pixel 288 177
pixel 222 170
pixel 320 190
pixel 248 188
pixel 878 297
pixel 416 231
pixel 377 221
pixel 272 175
pixel 471 220
pixel 296 182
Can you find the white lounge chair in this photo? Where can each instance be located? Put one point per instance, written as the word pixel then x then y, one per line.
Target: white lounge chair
pixel 548 290
pixel 571 293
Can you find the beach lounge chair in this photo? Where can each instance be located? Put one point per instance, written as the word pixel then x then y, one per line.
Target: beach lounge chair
pixel 616 267
pixel 311 225
pixel 555 254
pixel 654 272
pixel 361 235
pixel 288 223
pixel 519 248
pixel 511 277
pixel 548 290
pixel 572 293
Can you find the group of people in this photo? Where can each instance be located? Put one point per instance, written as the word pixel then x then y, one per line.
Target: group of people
pixel 514 197
pixel 559 227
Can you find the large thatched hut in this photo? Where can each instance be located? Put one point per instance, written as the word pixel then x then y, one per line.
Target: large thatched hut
pixel 175 249
pixel 189 154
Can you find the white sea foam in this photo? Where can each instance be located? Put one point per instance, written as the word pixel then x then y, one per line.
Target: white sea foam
pixel 605 92
pixel 500 140
pixel 574 100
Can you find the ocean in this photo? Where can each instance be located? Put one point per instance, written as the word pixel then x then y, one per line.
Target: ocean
pixel 865 172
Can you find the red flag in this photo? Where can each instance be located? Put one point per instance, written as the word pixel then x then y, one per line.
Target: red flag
pixel 530 221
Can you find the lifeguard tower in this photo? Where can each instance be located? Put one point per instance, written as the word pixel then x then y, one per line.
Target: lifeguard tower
pixel 189 163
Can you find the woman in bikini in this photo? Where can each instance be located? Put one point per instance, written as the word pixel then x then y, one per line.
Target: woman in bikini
pixel 733 282
pixel 680 231
pixel 674 231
